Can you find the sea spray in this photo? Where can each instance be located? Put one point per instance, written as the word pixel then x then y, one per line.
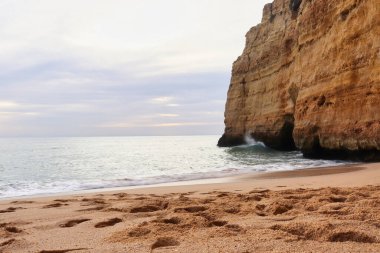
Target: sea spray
pixel 251 141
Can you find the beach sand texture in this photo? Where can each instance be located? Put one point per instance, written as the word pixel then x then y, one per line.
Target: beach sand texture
pixel 240 216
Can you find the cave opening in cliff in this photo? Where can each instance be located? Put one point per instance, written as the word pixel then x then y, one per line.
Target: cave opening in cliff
pixel 286 134
pixel 295 4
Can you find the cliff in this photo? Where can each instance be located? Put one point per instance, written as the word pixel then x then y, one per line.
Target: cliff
pixel 309 78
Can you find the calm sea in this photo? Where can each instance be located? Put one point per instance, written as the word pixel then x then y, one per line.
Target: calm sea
pixel 31 166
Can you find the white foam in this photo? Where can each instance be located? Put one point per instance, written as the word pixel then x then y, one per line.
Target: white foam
pixel 48 166
pixel 251 141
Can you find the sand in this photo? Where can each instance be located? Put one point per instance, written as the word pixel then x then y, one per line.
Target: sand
pixel 314 210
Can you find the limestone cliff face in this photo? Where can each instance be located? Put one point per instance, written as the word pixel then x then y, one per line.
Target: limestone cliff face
pixel 309 78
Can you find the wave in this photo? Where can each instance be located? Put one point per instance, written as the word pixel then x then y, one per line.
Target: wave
pixel 250 149
pixel 250 146
pixel 251 141
pixel 26 188
pixel 46 166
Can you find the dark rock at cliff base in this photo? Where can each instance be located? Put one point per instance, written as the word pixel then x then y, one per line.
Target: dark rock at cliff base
pixel 228 141
pixel 351 155
pixel 281 139
pixel 309 78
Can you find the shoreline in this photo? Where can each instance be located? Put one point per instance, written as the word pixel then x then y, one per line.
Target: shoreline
pixel 333 209
pixel 198 181
pixel 257 179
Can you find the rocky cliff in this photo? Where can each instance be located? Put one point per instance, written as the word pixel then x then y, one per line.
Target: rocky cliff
pixel 309 78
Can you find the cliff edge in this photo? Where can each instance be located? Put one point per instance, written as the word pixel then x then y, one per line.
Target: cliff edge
pixel 309 79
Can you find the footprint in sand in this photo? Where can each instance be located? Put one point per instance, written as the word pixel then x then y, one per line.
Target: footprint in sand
pixel 338 199
pixel 325 232
pixel 232 210
pixel 73 223
pixel 108 223
pixel 217 223
pixel 234 227
pixel 254 197
pixel 352 236
pixel 145 209
pixel 289 218
pixel 64 200
pixel 54 205
pixel 259 191
pixel 183 198
pixel 7 242
pixel 140 198
pixel 60 250
pixel 92 201
pixel 13 230
pixel 22 202
pixel 96 208
pixel 121 195
pixel 138 232
pixel 279 208
pixel 10 209
pixel 150 208
pixel 173 220
pixel 164 242
pixel 191 209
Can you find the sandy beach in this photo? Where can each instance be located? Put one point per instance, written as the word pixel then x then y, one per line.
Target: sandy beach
pixel 312 210
pixel 190 126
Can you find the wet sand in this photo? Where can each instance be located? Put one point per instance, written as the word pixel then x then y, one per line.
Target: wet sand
pixel 313 210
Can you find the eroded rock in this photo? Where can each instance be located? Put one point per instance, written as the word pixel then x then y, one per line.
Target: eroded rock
pixel 309 78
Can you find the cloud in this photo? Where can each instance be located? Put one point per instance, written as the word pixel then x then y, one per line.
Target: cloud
pixel 176 124
pixel 161 100
pixel 94 67
pixel 11 111
pixel 116 108
pixel 8 105
pixel 173 105
pixel 150 125
pixel 168 115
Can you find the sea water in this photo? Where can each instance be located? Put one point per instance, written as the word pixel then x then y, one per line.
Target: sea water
pixel 34 166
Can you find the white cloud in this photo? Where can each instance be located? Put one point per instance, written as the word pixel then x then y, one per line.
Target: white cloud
pixel 168 115
pixel 8 105
pixel 150 125
pixel 165 36
pixel 178 124
pixel 173 105
pixel 76 63
pixel 161 100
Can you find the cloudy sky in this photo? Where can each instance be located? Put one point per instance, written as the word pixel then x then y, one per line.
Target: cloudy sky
pixel 118 67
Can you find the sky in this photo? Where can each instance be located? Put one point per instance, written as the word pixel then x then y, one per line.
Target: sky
pixel 118 67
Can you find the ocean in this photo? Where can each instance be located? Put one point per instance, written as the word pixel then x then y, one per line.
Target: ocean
pixel 39 166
